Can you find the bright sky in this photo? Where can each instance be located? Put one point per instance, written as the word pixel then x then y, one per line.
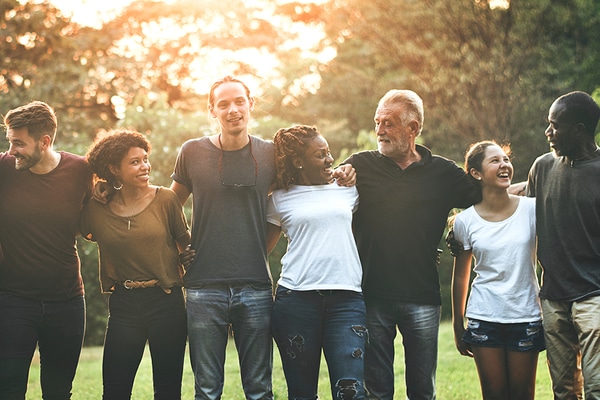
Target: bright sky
pixel 90 12
pixel 94 12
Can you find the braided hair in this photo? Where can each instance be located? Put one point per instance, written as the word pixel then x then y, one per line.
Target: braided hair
pixel 289 143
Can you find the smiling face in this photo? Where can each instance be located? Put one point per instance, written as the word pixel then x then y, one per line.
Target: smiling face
pixel 134 169
pixel 26 150
pixel 496 168
pixel 395 138
pixel 231 106
pixel 315 164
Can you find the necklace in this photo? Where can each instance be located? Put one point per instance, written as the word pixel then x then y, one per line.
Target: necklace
pixel 129 214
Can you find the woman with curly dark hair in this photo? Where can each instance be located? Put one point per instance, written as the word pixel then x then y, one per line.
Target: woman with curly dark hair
pixel 319 304
pixel 139 235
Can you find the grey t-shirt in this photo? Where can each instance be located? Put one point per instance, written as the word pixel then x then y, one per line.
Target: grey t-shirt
pixel 568 226
pixel 230 190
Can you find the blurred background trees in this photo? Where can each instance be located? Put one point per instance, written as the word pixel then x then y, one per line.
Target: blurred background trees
pixel 485 70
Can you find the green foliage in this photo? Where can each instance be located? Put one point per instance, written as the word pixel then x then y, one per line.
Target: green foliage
pixel 483 73
pixel 167 128
pixel 45 57
pixel 96 302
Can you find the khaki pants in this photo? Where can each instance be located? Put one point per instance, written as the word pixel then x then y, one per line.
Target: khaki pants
pixel 572 333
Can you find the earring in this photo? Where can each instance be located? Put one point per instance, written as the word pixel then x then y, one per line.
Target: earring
pixel 117 187
pixel 299 167
pixel 475 178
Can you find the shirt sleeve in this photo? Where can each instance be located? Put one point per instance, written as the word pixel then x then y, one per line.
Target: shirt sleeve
pixel 460 232
pixel 272 215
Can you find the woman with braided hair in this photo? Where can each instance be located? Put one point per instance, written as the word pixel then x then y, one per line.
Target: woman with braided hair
pixel 319 304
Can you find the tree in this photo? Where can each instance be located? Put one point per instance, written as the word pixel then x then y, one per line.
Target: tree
pixel 46 57
pixel 483 72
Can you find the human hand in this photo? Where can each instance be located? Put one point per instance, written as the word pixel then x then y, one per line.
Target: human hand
pixel 453 244
pixel 518 189
pixel 462 347
pixel 187 256
pixel 345 175
pixel 102 192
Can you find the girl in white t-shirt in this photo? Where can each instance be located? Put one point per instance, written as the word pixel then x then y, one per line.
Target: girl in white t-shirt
pixel 504 330
pixel 319 305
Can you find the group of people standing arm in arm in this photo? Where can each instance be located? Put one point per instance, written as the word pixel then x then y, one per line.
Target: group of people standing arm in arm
pixel 361 263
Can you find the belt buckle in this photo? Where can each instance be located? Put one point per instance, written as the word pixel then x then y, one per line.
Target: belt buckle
pixel 125 284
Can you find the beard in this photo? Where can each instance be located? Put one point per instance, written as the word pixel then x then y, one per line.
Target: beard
pixel 23 163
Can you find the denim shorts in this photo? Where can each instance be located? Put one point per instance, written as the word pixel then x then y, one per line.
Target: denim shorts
pixel 526 336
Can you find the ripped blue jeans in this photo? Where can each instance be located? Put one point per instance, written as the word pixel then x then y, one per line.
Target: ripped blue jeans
pixel 305 323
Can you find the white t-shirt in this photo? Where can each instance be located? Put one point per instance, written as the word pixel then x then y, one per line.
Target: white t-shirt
pixel 321 252
pixel 505 288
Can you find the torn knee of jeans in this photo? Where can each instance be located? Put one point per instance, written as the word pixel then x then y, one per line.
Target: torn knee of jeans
pixel 360 330
pixel 347 388
pixel 357 353
pixel 296 343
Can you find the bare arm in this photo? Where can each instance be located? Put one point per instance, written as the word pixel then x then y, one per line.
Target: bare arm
pixel 181 191
pixel 273 233
pixel 184 241
pixel 460 284
pixel 518 189
pixel 102 192
pixel 186 253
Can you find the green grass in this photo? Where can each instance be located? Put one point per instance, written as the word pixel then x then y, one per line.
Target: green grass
pixel 456 379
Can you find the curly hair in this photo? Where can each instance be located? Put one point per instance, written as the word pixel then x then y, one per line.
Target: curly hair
pixel 289 143
pixel 110 149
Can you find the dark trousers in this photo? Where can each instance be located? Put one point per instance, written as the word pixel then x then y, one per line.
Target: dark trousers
pixel 57 328
pixel 137 317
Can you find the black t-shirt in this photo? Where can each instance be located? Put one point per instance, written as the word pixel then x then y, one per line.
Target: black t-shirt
pixel 400 221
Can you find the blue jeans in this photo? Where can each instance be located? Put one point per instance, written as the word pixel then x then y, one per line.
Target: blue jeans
pixel 137 317
pixel 419 326
pixel 306 322
pixel 247 311
pixel 57 328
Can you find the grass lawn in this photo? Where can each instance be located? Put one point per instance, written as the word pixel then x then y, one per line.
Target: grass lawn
pixel 456 379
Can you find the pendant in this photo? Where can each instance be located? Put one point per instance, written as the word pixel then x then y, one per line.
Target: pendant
pixel 128 224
